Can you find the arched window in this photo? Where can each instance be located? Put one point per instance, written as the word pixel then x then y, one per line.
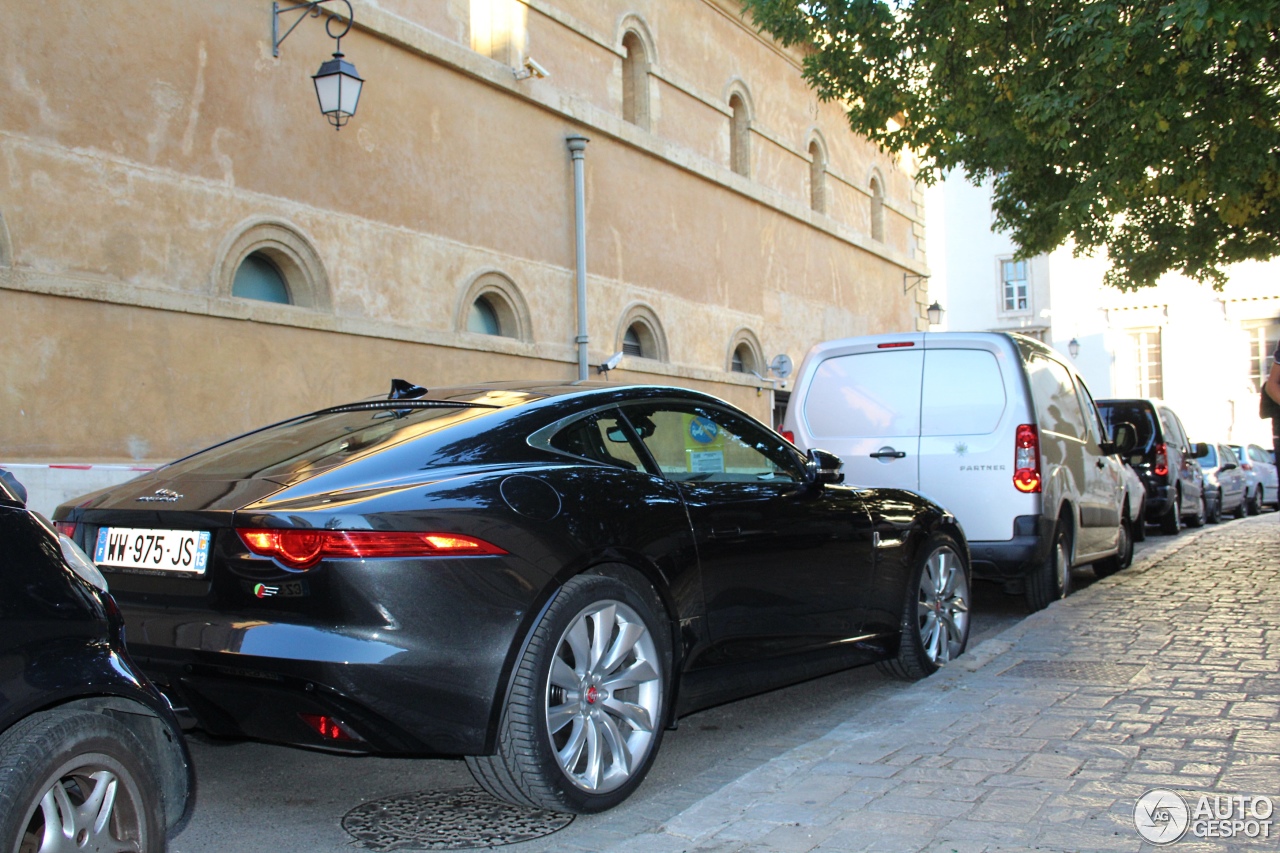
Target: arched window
pixel 258 278
pixel 742 361
pixel 635 80
pixel 271 261
pixel 631 342
pixel 482 319
pixel 877 210
pixel 745 353
pixel 640 334
pixel 817 177
pixel 739 135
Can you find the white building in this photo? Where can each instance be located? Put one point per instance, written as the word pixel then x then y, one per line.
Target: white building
pixel 1201 350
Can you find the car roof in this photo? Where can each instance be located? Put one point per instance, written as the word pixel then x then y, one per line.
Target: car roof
pixel 511 393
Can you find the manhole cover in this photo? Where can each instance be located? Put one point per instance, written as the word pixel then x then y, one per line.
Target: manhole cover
pixel 1073 670
pixel 459 819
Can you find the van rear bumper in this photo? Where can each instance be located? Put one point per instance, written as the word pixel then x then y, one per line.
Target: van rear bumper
pixel 1013 558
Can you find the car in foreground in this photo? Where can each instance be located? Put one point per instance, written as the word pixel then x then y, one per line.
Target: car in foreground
pixel 1226 487
pixel 91 755
pixel 539 577
pixel 1263 486
pixel 1165 460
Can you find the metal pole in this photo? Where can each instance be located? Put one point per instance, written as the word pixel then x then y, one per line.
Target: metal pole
pixel 578 149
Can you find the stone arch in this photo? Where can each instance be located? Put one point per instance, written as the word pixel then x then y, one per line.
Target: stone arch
pixel 639 55
pixel 745 350
pixel 646 329
pixel 287 249
pixel 819 163
pixel 875 189
pixel 496 290
pixel 741 113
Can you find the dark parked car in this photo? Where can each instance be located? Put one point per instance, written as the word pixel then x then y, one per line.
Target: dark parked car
pixel 538 577
pixel 1164 459
pixel 1226 487
pixel 91 756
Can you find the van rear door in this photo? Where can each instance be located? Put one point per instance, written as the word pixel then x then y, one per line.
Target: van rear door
pixel 863 403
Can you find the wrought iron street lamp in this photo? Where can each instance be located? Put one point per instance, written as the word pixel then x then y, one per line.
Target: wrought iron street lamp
pixel 338 84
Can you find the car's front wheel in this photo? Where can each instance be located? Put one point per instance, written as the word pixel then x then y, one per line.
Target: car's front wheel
pixel 1171 522
pixel 588 700
pixel 1123 557
pixel 935 618
pixel 1213 514
pixel 1254 503
pixel 1197 520
pixel 76 780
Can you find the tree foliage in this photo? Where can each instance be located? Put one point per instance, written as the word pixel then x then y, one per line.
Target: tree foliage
pixel 1147 128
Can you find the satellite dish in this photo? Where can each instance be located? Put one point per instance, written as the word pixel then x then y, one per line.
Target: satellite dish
pixel 781 365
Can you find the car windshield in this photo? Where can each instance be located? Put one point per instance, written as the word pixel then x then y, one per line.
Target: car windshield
pixel 320 441
pixel 1139 414
pixel 1210 459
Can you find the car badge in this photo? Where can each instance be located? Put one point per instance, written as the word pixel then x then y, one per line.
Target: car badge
pixel 261 590
pixel 962 449
pixel 162 495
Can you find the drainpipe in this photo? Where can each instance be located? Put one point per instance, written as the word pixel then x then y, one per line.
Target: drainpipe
pixel 578 150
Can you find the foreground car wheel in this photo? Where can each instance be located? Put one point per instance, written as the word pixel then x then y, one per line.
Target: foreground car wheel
pixel 935 621
pixel 1051 580
pixel 75 780
pixel 1171 523
pixel 588 702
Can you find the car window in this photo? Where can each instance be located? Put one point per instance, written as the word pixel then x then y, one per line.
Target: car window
pixel 866 394
pixel 1055 397
pixel 1174 434
pixel 1097 431
pixel 1257 454
pixel 707 444
pixel 963 392
pixel 1210 460
pixel 1139 414
pixel 602 438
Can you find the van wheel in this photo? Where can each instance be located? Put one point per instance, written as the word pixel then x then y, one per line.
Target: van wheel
pixel 935 617
pixel 1121 559
pixel 1051 580
pixel 1172 521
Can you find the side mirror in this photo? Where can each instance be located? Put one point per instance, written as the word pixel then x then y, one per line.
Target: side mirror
pixel 1124 437
pixel 1199 450
pixel 825 468
pixel 11 489
pixel 1228 464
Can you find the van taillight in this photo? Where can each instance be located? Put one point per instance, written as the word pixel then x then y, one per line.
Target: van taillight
pixel 1026 459
pixel 787 434
pixel 1162 460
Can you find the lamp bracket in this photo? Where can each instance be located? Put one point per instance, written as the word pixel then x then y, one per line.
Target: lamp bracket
pixel 311 9
pixel 914 279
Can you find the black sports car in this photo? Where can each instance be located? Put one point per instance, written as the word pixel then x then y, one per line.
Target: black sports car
pixel 91 756
pixel 540 577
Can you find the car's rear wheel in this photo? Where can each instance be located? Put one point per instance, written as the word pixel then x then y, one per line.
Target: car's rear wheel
pixel 1241 508
pixel 1051 580
pixel 1171 522
pixel 588 700
pixel 935 618
pixel 1123 557
pixel 77 780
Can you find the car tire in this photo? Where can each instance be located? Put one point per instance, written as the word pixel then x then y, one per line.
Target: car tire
pixel 1122 558
pixel 1138 527
pixel 1241 509
pixel 1253 505
pixel 585 717
pixel 1171 522
pixel 54 763
pixel 935 615
pixel 1197 520
pixel 1051 579
pixel 1214 514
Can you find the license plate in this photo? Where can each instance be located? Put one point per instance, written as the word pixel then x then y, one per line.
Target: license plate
pixel 182 551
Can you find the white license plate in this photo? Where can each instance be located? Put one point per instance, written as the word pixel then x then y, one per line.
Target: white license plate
pixel 183 551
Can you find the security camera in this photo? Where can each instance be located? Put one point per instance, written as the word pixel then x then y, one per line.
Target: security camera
pixel 531 68
pixel 610 363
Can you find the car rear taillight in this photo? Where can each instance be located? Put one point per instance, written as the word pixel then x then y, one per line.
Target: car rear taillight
pixel 1026 459
pixel 1162 460
pixel 66 528
pixel 787 434
pixel 300 549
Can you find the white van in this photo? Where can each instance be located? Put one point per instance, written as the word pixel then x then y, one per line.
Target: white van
pixel 995 427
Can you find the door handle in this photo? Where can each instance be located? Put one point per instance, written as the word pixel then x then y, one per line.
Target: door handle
pixel 1100 464
pixel 888 453
pixel 725 532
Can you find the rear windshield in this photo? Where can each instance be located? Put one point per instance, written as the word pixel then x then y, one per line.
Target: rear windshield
pixel 1138 414
pixel 1209 460
pixel 315 443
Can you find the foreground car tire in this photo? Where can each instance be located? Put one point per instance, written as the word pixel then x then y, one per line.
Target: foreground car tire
pixel 75 780
pixel 1122 559
pixel 935 618
pixel 588 700
pixel 1051 580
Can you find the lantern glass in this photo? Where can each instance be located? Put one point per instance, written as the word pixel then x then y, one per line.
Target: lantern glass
pixel 935 314
pixel 338 87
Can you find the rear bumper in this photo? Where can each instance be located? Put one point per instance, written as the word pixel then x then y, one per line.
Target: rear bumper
pixel 1013 558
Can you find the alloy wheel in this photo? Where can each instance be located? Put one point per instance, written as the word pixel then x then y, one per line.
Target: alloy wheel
pixel 604 694
pixel 87 809
pixel 943 610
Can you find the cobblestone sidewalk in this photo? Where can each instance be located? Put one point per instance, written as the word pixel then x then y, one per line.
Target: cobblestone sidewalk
pixel 1166 676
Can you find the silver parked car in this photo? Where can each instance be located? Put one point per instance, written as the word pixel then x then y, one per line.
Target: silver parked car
pixel 1225 484
pixel 1260 471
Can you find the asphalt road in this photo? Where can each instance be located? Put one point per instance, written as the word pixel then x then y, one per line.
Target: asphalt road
pixel 255 796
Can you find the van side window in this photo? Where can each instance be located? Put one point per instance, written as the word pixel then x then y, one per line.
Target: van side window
pixel 963 393
pixel 1093 420
pixel 1057 406
pixel 866 394
pixel 1173 432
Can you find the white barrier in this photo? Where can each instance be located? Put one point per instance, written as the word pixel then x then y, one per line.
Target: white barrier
pixel 49 485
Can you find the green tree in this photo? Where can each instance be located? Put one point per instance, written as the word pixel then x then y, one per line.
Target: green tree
pixel 1147 128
